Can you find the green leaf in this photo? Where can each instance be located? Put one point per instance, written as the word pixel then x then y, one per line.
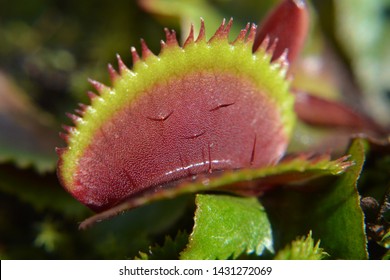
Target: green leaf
pixel 344 214
pixel 330 208
pixel 227 226
pixel 302 249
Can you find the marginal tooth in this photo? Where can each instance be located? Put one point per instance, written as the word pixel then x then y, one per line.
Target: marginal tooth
pixel 229 26
pixel 134 55
pixel 113 74
pixel 344 162
pixel 146 52
pixel 252 34
pixel 283 62
pixel 264 44
pixel 92 95
pixel 64 137
pixel 68 129
pixel 163 46
pixel 223 30
pixel 100 88
pixel 272 47
pixel 75 119
pixel 190 38
pixel 202 32
pixel 121 65
pixel 83 107
pixel 60 151
pixel 79 112
pixel 241 36
pixel 219 34
pixel 283 58
pixel 171 37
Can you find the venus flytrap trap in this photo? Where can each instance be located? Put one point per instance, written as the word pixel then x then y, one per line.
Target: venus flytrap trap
pixel 166 127
pixel 208 115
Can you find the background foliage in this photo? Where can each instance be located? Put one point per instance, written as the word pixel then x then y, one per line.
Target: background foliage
pixel 49 48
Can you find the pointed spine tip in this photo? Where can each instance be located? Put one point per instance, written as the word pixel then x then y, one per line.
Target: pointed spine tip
pixel 282 63
pixel 264 44
pixel 220 31
pixel 223 30
pixel 113 74
pixel 100 88
pixel 134 55
pixel 252 34
pixel 190 37
pixel 64 137
pixel 79 112
pixel 229 24
pixel 283 58
pixel 74 118
pixel 241 36
pixel 60 151
pixel 163 46
pixel 171 39
pixel 68 129
pixel 83 107
pixel 121 65
pixel 145 51
pixel 92 95
pixel 202 32
pixel 344 162
pixel 272 47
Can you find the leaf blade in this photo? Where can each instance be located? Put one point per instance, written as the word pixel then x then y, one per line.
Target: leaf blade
pixel 227 226
pixel 331 210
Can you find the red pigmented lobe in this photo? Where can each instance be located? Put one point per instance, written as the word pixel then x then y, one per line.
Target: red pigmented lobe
pixel 286 29
pixel 200 123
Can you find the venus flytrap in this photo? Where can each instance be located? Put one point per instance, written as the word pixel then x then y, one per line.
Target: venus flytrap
pixel 207 115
